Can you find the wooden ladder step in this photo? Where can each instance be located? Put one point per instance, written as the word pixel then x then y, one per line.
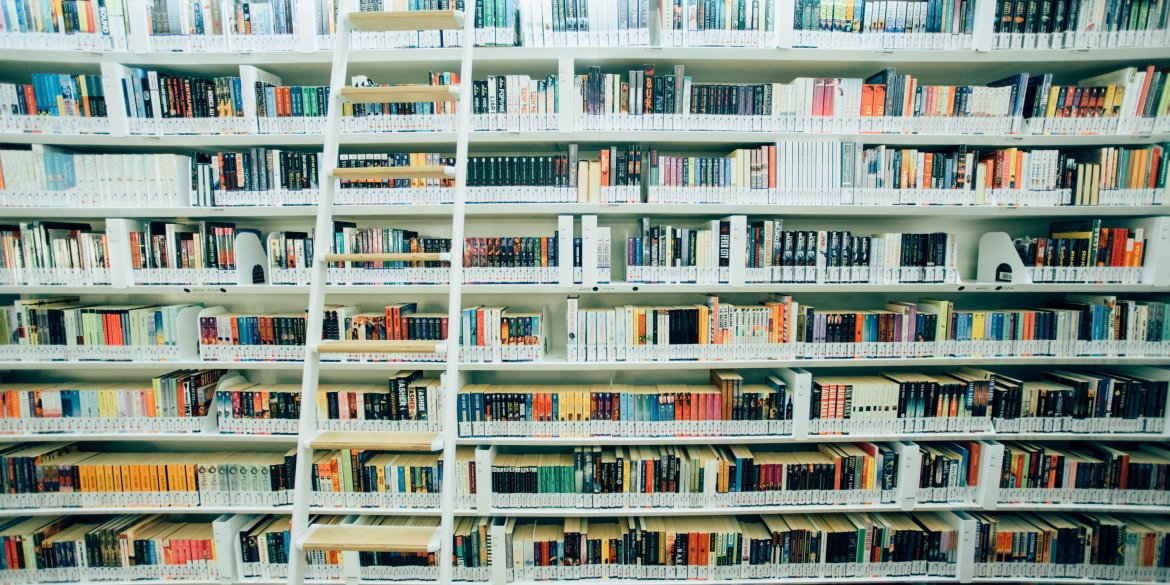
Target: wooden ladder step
pixel 377 440
pixel 390 257
pixel 400 93
pixel 350 537
pixel 334 346
pixel 407 20
pixel 414 172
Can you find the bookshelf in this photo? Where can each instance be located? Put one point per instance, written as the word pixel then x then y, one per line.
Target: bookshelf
pixel 779 49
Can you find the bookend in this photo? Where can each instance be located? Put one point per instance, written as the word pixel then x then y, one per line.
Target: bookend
pixel 999 261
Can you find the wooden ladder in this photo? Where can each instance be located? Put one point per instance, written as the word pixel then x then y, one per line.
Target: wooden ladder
pixel 350 537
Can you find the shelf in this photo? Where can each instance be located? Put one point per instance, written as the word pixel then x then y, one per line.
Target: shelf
pixel 544 55
pixel 1065 507
pixel 619 210
pixel 218 510
pixel 788 439
pixel 552 512
pixel 553 289
pixel 186 439
pixel 781 581
pixel 693 137
pixel 725 511
pixel 558 363
pixel 218 439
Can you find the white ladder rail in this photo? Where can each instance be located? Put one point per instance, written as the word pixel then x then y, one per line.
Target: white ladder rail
pixel 454 298
pixel 307 426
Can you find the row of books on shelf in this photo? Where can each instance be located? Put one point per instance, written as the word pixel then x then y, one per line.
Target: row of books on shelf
pixel 925 544
pixel 175 25
pixel 969 474
pixel 780 328
pixel 64 253
pixel 486 334
pixel 781 404
pixel 783 328
pixel 1127 101
pixel 847 173
pixel 898 24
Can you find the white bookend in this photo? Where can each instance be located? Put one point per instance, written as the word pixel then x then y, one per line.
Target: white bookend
pixel 250 256
pixel 484 455
pixel 249 76
pixel 565 77
pixel 968 532
pixel 782 11
pixel 118 234
pixel 306 25
pixel 990 468
pixel 500 530
pixel 909 468
pixel 996 252
pixel 572 339
pixel 188 332
pixel 589 238
pixel 982 35
pixel 180 170
pixel 112 76
pixel 225 531
pixel 737 260
pixel 138 37
pixel 1156 265
pixel 351 567
pixel 799 382
pixel 565 250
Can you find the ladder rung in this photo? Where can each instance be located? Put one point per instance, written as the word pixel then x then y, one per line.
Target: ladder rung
pixel 400 93
pixel 418 172
pixel 407 20
pixel 377 440
pixel 379 346
pixel 391 257
pixel 350 537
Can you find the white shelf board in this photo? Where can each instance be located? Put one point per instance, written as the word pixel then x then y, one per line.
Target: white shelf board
pixel 529 210
pixel 789 439
pixel 1054 581
pixel 538 55
pixel 17 512
pixel 558 363
pixel 187 364
pixel 725 511
pixel 694 137
pixel 215 438
pixel 1065 507
pixel 184 438
pixel 781 581
pixel 553 289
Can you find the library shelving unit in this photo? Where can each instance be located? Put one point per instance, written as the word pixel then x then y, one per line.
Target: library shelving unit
pixel 127 262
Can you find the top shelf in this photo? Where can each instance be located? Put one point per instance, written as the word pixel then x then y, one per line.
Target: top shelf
pixel 540 55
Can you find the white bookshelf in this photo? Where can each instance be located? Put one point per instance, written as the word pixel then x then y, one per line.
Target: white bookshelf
pixel 696 138
pixel 301 59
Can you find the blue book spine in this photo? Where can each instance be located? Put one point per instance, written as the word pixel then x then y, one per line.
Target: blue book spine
pixel 238 96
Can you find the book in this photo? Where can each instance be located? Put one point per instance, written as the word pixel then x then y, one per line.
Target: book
pixel 625 410
pixel 91 479
pixel 143 546
pixel 693 476
pixel 54 253
pixel 759 545
pixel 179 401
